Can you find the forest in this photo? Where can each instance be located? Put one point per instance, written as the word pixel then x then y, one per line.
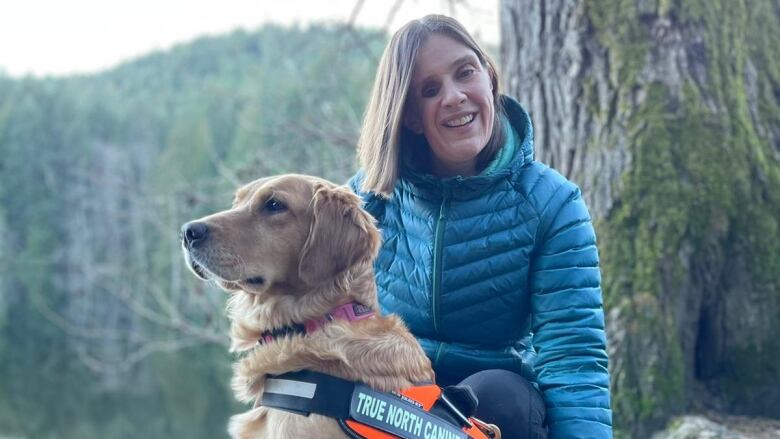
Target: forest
pixel 103 331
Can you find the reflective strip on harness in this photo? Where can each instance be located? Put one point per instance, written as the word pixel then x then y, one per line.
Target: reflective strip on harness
pixel 394 415
pixel 290 387
pixel 305 392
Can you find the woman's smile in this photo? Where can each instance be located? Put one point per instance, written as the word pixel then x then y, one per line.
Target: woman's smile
pixel 460 121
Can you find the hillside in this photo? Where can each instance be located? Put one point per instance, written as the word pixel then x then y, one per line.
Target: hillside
pixel 103 333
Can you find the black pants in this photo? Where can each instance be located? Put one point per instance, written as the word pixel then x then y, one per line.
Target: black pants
pixel 509 401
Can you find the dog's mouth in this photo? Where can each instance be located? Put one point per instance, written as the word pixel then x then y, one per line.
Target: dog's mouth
pixel 200 269
pixel 203 273
pixel 196 268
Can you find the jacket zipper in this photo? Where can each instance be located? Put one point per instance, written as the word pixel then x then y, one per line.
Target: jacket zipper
pixel 437 255
pixel 439 349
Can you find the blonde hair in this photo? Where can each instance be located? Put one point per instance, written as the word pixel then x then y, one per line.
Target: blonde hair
pixel 379 145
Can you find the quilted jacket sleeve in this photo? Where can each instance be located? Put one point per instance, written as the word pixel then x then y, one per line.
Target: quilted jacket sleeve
pixel 568 320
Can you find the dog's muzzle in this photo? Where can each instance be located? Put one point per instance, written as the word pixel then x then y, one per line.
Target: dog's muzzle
pixel 210 263
pixel 194 234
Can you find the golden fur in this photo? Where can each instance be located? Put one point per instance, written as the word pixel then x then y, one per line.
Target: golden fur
pixel 286 266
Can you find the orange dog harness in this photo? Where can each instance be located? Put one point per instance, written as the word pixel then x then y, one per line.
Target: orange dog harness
pixel 420 412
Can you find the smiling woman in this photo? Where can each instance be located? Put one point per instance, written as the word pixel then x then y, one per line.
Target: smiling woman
pixel 451 77
pixel 488 255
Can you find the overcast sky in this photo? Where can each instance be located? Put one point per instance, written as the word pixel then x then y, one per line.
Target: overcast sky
pixel 56 37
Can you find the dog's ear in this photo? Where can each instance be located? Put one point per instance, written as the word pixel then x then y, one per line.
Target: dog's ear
pixel 341 235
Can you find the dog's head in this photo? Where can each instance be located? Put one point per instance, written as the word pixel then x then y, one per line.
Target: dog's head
pixel 283 235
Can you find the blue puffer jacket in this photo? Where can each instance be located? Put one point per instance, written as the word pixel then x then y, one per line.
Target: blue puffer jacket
pixel 500 270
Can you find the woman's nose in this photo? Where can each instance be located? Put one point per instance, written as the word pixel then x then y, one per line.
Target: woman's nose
pixel 452 94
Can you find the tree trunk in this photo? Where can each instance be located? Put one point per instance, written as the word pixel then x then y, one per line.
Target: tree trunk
pixel 667 114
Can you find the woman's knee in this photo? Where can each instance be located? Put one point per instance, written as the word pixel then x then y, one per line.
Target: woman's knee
pixel 509 401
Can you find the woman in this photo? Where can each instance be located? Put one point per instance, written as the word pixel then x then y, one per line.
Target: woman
pixel 488 255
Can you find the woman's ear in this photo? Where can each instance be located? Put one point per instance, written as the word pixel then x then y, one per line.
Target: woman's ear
pixel 493 81
pixel 412 120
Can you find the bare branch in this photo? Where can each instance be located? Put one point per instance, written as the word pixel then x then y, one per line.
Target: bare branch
pixel 355 11
pixel 129 361
pixel 391 14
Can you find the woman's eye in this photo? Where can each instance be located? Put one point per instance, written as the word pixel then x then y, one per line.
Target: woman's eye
pixel 429 92
pixel 467 72
pixel 274 206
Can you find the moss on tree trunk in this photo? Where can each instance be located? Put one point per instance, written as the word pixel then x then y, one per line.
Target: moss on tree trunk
pixel 667 113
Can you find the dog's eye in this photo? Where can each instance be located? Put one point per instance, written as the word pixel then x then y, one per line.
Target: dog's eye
pixel 274 206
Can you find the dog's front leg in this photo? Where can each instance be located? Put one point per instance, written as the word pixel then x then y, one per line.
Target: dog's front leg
pixel 250 372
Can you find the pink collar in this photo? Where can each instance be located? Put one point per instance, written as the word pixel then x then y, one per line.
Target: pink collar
pixel 350 312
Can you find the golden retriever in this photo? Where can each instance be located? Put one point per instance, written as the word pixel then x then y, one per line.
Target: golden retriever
pixel 292 248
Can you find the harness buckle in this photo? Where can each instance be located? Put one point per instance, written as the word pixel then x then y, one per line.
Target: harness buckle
pixel 490 430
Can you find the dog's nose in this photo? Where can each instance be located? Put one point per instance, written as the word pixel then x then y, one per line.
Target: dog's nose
pixel 194 233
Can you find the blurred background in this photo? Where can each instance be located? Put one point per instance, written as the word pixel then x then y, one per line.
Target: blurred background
pixel 119 121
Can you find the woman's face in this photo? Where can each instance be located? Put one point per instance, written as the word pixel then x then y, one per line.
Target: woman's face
pixel 451 103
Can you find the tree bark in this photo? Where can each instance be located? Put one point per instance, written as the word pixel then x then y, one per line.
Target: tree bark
pixel 667 114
